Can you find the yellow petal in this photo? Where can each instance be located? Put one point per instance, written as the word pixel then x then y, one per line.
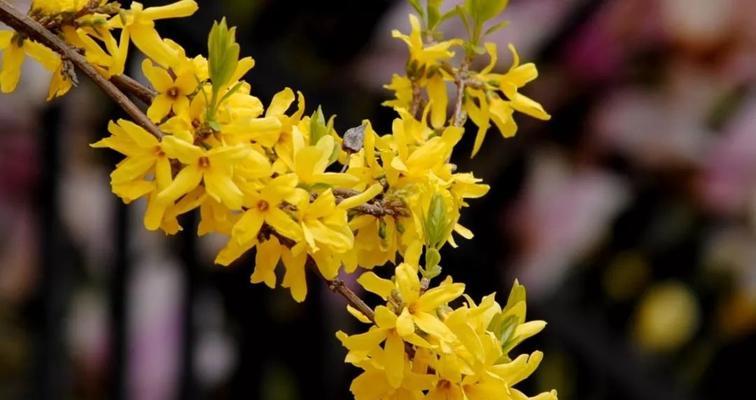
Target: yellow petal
pixel 138 134
pixel 367 341
pixel 131 191
pixel 5 38
pixel 186 152
pixel 153 216
pixel 232 251
pixel 361 198
pixel 186 180
pixel 222 188
pixel 158 77
pixel 248 226
pixel 179 9
pixel 283 224
pixel 148 41
pixel 438 296
pixel 384 318
pixel 13 58
pixel 394 359
pixel 49 59
pixel 266 259
pixel 433 326
pixel 439 100
pixel 294 278
pixel 131 168
pixel 160 107
pixel 280 103
pixel 405 326
pixel 359 315
pixel 375 284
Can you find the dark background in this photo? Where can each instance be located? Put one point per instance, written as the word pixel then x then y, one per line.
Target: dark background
pixel 630 216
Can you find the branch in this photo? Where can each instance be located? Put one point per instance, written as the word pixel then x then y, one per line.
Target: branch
pixel 338 286
pixel 376 208
pixel 34 30
pixel 133 87
pixel 459 117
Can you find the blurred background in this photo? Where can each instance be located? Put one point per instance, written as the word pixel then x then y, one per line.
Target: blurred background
pixel 630 216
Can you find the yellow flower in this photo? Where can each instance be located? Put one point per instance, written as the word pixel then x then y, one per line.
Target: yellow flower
pixel 212 167
pixel 373 384
pixel 310 162
pixel 422 55
pixel 325 224
pixel 138 26
pixel 54 7
pixel 144 155
pixel 484 105
pixel 418 309
pixel 173 92
pixel 392 331
pixel 15 49
pixel 402 88
pixel 262 205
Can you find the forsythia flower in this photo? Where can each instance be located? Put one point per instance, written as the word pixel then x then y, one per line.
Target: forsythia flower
pixel 173 93
pixel 465 355
pixel 138 26
pixel 484 105
pixel 15 48
pixel 290 187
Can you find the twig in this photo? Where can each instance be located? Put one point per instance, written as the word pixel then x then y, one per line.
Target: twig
pixel 376 208
pixel 416 108
pixel 133 87
pixel 34 30
pixel 459 117
pixel 338 286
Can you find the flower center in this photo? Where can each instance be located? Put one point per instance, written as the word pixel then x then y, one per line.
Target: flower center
pixel 172 92
pixel 204 162
pixel 159 151
pixel 262 205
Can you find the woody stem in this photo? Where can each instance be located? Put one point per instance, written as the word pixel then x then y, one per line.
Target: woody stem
pixel 34 30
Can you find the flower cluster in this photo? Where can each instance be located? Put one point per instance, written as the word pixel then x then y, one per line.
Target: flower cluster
pixel 454 353
pixel 286 184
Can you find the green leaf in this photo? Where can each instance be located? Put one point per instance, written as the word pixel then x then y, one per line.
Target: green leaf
pixel 483 10
pixel 416 5
pixel 434 13
pixel 318 127
pixel 432 259
pixel 464 15
pixel 223 54
pixel 436 223
pixel 496 27
pixel 516 295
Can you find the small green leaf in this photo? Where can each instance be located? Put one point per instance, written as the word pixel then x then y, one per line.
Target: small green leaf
pixel 436 222
pixel 483 10
pixel 434 13
pixel 318 127
pixel 432 259
pixel 416 5
pixel 496 27
pixel 516 295
pixel 223 54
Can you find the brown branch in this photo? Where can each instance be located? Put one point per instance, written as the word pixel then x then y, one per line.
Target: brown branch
pixel 133 87
pixel 376 207
pixel 34 30
pixel 338 286
pixel 459 117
